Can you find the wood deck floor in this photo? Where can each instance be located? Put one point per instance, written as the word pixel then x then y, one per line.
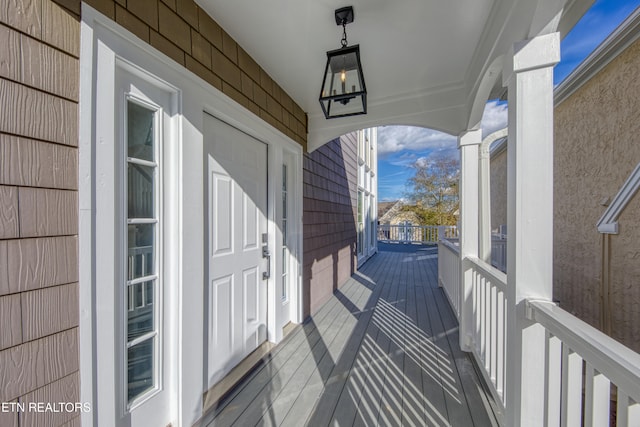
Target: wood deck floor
pixel 383 351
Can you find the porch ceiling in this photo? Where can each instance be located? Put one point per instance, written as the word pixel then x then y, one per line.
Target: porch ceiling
pixel 425 63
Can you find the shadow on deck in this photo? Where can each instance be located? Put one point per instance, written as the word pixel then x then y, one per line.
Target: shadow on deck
pixel 383 351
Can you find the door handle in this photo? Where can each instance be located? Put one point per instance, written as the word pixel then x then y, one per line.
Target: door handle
pixel 266 254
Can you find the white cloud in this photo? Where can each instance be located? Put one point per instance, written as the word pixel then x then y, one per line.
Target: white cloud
pixel 393 139
pixel 494 117
pixel 410 139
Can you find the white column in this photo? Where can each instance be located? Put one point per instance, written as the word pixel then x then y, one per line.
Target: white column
pixel 484 183
pixel 529 76
pixel 468 143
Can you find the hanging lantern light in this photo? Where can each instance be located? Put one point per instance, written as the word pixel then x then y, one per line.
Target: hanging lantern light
pixel 343 90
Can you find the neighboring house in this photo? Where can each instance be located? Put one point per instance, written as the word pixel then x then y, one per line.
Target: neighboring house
pixel 167 208
pixel 397 214
pixel 596 273
pixel 383 207
pixel 597 149
pixel 498 180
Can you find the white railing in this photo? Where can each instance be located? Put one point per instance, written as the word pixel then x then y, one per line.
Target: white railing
pixel 416 233
pixel 449 273
pixel 488 299
pixel 582 364
pixel 584 369
pixel 140 262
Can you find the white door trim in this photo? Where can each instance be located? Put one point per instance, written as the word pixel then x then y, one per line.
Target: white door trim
pixel 102 41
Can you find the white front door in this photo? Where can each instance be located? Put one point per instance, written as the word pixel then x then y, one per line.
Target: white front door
pixel 236 192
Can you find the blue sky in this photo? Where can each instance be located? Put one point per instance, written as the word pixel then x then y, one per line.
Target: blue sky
pixel 399 147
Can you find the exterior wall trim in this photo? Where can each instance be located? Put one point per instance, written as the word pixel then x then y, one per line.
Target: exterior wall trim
pixel 621 38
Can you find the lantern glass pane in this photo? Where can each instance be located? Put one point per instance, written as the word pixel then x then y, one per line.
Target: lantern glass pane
pixel 336 108
pixel 342 75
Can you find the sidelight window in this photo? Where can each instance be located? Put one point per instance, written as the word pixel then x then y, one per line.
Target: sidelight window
pixel 285 249
pixel 142 237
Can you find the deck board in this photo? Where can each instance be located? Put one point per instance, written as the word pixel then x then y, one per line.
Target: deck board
pixel 382 351
pixel 303 407
pixel 347 410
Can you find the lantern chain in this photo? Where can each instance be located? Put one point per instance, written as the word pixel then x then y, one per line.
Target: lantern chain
pixel 344 33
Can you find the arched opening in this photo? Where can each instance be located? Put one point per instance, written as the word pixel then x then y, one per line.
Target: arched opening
pixel 347 181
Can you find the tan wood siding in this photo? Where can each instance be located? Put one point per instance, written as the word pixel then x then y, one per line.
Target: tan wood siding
pixel 10 316
pixel 49 69
pixel 185 33
pixel 24 15
pixel 37 363
pixel 60 28
pixel 49 310
pixel 31 163
pixel 38 180
pixel 63 390
pixel 38 263
pixel 9 227
pixel 45 212
pixel 29 112
pixel 10 54
pixel 9 418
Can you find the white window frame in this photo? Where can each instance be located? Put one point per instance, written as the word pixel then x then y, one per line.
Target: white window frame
pixel 158 314
pixel 366 172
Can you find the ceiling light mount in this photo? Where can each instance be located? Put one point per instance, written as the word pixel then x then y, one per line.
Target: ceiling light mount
pixel 344 15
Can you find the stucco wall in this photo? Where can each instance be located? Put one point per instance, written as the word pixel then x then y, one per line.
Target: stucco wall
pixel 38 209
pixel 329 219
pixel 625 277
pixel 596 148
pixel 498 191
pixel 188 35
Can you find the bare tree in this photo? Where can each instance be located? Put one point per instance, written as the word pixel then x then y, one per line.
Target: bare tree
pixel 434 190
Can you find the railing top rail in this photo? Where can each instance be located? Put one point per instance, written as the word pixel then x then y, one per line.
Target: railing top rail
pixel 447 244
pixel 618 363
pixel 416 226
pixel 498 278
pixel 140 250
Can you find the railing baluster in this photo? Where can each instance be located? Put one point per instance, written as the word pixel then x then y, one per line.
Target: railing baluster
pixel 634 414
pixel 500 350
pixel 597 390
pixel 553 374
pixel 476 310
pixel 493 354
pixel 571 410
pixel 416 233
pixel 483 322
pixel 628 411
